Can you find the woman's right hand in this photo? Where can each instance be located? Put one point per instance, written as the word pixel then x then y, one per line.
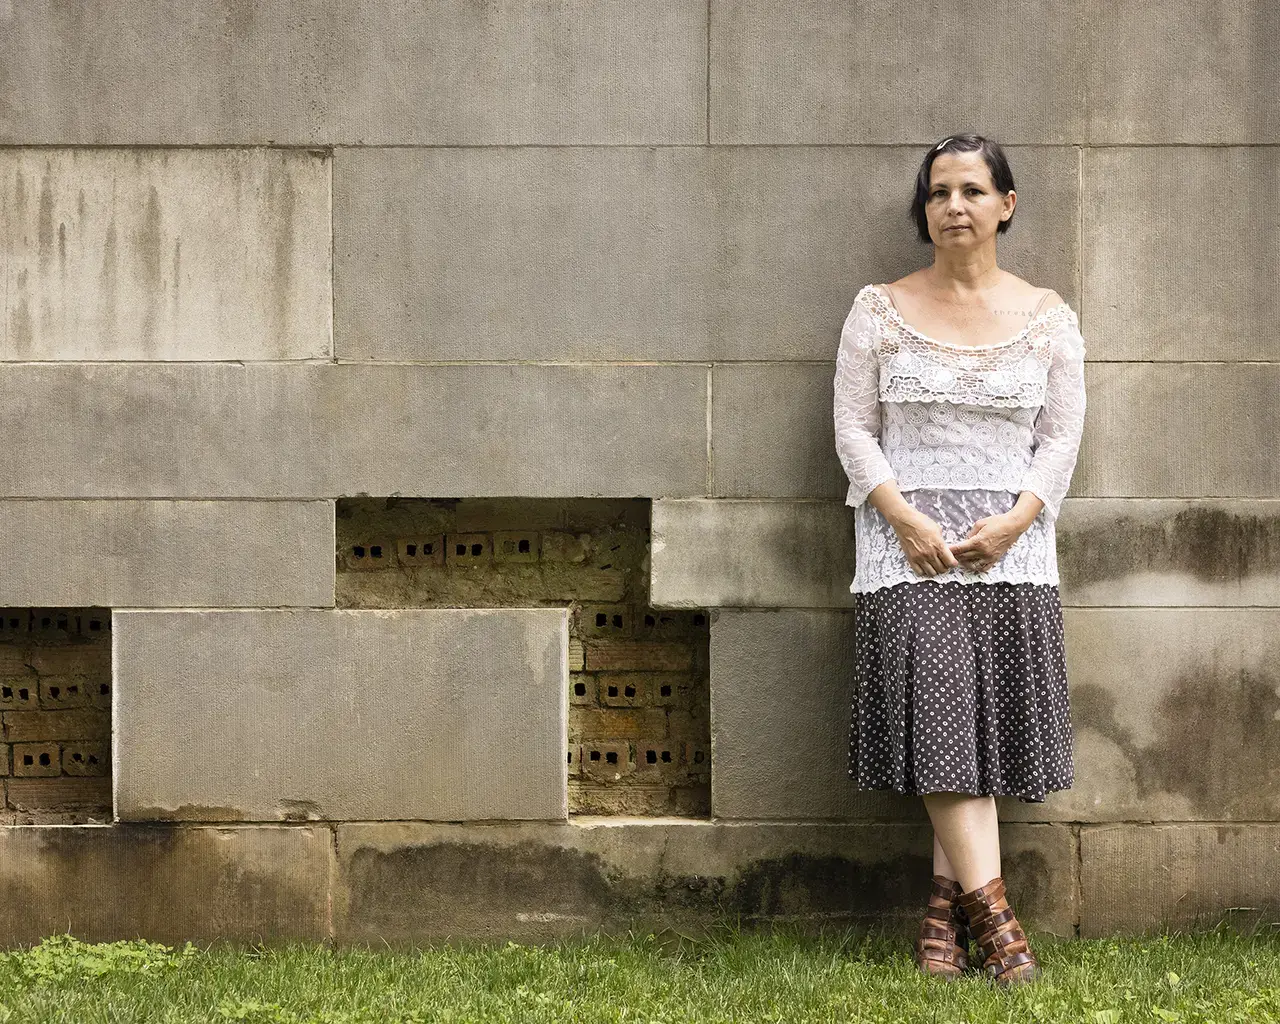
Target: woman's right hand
pixel 922 542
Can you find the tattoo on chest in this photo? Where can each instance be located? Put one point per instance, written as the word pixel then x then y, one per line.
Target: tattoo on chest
pixel 1012 312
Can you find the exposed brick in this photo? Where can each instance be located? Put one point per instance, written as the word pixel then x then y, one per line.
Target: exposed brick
pixel 468 549
pixel 637 655
pixel 80 724
pixel 671 690
pixel 587 798
pixel 515 546
pixel 577 655
pixel 574 760
pixel 421 551
pixel 558 546
pixel 582 689
pixel 659 760
pixel 377 553
pixel 92 660
pixel 100 694
pixel 594 621
pixel 622 689
pixel 65 793
pixel 665 624
pixel 606 762
pixel 598 723
pixel 697 759
pixel 64 691
pixel 31 760
pixel 54 623
pixel 13 659
pixel 4 759
pixel 86 759
pixel 689 725
pixel 17 694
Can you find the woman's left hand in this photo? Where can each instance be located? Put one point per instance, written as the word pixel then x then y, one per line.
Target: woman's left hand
pixel 988 540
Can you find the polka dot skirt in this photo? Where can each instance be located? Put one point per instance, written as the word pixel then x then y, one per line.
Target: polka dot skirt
pixel 961 689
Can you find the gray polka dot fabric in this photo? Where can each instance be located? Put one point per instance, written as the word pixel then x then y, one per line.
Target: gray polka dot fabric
pixel 961 689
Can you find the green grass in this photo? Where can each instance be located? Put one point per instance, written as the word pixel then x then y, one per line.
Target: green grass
pixel 775 977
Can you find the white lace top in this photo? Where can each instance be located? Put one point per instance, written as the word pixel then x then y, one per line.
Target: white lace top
pixel 962 429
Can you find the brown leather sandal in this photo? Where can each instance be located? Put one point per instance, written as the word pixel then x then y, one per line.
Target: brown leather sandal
pixel 942 948
pixel 1006 957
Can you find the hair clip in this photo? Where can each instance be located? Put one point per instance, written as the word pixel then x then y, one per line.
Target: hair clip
pixel 943 143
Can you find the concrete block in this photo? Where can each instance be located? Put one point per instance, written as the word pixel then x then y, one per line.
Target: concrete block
pixel 454 72
pixel 141 554
pixel 164 884
pixel 781 699
pixel 164 254
pixel 309 430
pixel 670 254
pixel 446 714
pixel 1112 551
pixel 1176 715
pixel 728 553
pixel 772 433
pixel 413 882
pixel 818 71
pixel 1156 878
pixel 1215 414
pixel 1216 300
pixel 1120 551
pixel 1223 56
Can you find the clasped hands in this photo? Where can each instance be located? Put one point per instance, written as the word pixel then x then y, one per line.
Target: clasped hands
pixel 984 545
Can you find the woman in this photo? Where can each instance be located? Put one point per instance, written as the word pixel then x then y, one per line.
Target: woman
pixel 959 401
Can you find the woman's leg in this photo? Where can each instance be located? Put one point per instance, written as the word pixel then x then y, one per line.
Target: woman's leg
pixel 968 832
pixel 941 866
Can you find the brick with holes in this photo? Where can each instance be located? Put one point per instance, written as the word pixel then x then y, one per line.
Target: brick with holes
pixel 668 624
pixel 36 760
pixel 19 694
pixel 515 546
pixel 582 689
pixel 378 553
pixel 416 552
pixel 64 692
pixel 55 624
pixel 658 760
pixel 621 689
pixel 100 695
pixel 606 761
pixel 669 689
pixel 697 759
pixel 603 620
pixel 468 549
pixel 574 760
pixel 86 759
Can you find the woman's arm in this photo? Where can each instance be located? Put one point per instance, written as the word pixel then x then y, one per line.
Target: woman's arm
pixel 857 422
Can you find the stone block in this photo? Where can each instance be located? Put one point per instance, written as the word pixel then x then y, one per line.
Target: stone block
pixel 308 430
pixel 449 714
pixel 1184 552
pixel 1157 878
pixel 1215 415
pixel 768 554
pixel 1222 55
pixel 396 72
pixel 781 699
pixel 1217 299
pixel 165 884
pixel 772 433
pixel 139 554
pixel 414 882
pixel 818 71
pixel 672 254
pixel 1176 714
pixel 164 254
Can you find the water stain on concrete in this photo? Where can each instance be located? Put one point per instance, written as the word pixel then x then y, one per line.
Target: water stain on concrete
pixel 1212 542
pixel 1217 742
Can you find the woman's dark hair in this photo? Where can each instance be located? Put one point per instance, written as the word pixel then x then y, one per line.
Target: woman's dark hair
pixel 991 152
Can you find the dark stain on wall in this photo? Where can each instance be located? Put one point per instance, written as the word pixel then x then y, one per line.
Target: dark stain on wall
pixel 1217 741
pixel 1213 543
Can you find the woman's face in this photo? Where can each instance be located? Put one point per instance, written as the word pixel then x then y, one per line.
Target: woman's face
pixel 964 207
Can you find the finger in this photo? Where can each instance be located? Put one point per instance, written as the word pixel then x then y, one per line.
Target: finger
pixel 963 546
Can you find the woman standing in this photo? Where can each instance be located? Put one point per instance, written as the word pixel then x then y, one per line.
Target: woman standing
pixel 959 402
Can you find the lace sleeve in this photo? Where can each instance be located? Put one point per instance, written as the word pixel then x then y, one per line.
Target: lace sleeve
pixel 857 406
pixel 1056 439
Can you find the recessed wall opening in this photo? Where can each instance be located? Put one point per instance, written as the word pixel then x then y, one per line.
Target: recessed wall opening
pixel 55 697
pixel 639 737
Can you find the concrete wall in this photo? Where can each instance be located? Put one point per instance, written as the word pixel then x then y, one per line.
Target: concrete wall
pixel 256 260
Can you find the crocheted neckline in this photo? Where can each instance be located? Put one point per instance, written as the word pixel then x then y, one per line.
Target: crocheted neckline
pixel 891 310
